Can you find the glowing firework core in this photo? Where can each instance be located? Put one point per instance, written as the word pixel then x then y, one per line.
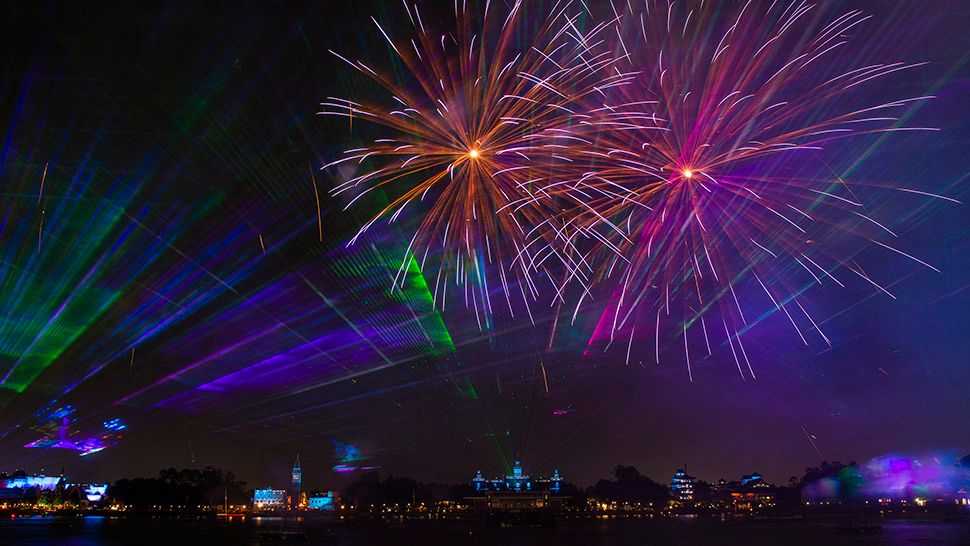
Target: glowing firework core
pixel 687 173
pixel 473 153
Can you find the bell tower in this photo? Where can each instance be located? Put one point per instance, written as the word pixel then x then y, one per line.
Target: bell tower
pixel 296 480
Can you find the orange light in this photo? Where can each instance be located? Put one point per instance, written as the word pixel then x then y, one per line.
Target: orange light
pixel 473 153
pixel 687 173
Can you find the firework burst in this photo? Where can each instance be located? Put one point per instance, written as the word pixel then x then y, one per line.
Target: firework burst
pixel 683 199
pixel 475 127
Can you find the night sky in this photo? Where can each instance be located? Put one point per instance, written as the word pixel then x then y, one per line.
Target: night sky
pixel 169 273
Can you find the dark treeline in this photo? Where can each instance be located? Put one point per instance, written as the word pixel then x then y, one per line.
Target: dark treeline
pixel 186 487
pixel 208 487
pixel 785 494
pixel 370 489
pixel 824 470
pixel 626 484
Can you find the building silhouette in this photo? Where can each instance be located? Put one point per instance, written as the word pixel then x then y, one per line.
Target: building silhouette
pixel 296 480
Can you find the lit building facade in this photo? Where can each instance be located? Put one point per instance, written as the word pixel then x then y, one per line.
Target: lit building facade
pixel 95 492
pixel 269 499
pixel 682 486
pixel 518 480
pixel 749 495
pixel 753 478
pixel 19 487
pixel 91 493
pixel 294 497
pixel 517 499
pixel 324 501
pixel 43 483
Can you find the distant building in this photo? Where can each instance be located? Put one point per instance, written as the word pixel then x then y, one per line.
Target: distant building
pixel 269 499
pixel 293 498
pixel 518 481
pixel 322 501
pixel 752 478
pixel 296 480
pixel 19 487
pixel 749 495
pixel 88 493
pixel 22 481
pixel 517 499
pixel 95 492
pixel 479 481
pixel 682 486
pixel 555 481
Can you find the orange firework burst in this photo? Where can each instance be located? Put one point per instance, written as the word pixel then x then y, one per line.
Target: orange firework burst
pixel 475 130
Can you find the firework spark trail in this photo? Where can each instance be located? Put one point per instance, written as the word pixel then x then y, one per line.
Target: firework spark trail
pixel 40 230
pixel 678 182
pixel 545 378
pixel 479 126
pixel 43 211
pixel 316 196
pixel 43 177
pixel 811 439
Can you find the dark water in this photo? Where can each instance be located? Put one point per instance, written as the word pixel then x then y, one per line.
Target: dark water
pixel 156 532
